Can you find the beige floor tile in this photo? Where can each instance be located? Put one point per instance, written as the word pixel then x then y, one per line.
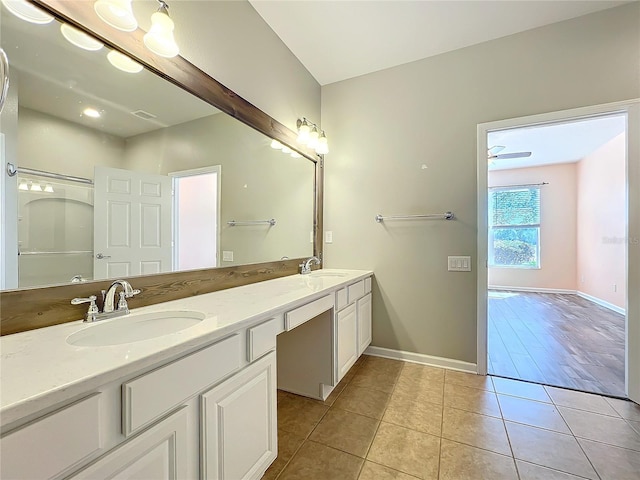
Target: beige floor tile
pixel 288 444
pixel 406 450
pixel 422 372
pixel 580 400
pixel 299 415
pixel 476 430
pixel 346 431
pixel 625 408
pixel 550 449
pixel 612 463
pixel 520 389
pixel 383 380
pixel 601 428
pixel 423 389
pixel 529 471
pixel 314 461
pixel 364 401
pixel 635 425
pixel 468 380
pixel 381 364
pixel 412 412
pixel 471 399
pixel 335 393
pixel 530 412
pixel 458 461
pixel 373 471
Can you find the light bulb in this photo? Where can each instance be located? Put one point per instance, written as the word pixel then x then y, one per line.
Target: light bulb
pixel 160 39
pixel 286 149
pixel 313 138
pixel 91 112
pixel 303 132
pixel 48 188
pixel 35 187
pixel 117 14
pixel 23 185
pixel 28 12
pixel 322 148
pixel 79 38
pixel 276 144
pixel 124 63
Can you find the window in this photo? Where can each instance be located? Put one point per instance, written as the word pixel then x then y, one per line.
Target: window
pixel 514 227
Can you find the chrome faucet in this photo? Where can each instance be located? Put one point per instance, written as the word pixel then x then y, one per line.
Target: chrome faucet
pixel 306 266
pixel 109 310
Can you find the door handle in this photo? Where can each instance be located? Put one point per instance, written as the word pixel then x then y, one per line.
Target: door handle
pixel 100 256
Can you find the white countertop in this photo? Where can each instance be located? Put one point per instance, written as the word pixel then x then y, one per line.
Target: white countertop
pixel 40 369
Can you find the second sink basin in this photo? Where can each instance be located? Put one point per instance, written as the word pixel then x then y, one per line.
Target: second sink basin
pixel 134 328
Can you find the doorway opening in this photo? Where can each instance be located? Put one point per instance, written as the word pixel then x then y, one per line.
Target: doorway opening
pixel 556 220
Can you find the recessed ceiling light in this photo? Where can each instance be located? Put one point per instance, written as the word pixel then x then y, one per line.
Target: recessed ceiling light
pixel 124 63
pixel 79 38
pixel 28 12
pixel 91 112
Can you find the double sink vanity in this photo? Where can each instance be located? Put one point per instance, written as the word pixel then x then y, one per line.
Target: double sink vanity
pixel 182 389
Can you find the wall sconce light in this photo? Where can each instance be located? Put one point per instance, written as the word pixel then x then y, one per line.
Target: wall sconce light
pixel 310 135
pixel 79 38
pixel 27 11
pixel 124 63
pixel 117 14
pixel 160 38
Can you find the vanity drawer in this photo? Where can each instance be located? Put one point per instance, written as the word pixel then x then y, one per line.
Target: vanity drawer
pixel 341 298
pixel 48 446
pixel 262 339
pixel 356 291
pixel 367 285
pixel 150 396
pixel 306 312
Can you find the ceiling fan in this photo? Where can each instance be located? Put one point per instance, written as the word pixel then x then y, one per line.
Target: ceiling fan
pixel 494 153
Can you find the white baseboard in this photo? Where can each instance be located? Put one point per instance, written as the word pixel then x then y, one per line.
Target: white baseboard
pixel 534 289
pixel 602 303
pixel 430 360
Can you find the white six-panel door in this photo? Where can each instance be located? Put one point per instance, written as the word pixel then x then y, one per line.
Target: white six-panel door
pixel 132 223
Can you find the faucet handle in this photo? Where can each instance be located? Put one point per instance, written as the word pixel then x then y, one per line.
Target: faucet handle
pixel 93 308
pixel 134 292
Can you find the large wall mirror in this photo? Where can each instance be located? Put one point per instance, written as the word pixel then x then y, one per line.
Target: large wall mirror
pixel 122 174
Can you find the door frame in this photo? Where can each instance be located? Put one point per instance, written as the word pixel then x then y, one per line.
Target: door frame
pixel 632 109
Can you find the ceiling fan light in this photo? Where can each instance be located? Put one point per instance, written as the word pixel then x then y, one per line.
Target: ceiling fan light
pixel 159 39
pixel 79 38
pixel 27 12
pixel 123 62
pixel 117 14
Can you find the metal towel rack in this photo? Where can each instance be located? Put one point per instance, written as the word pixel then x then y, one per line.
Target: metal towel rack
pixel 238 223
pixel 444 216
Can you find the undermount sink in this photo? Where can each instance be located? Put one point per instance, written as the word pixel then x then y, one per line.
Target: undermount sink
pixel 320 273
pixel 134 328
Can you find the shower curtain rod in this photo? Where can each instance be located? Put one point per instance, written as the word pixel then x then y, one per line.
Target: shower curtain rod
pixel 12 170
pixel 522 185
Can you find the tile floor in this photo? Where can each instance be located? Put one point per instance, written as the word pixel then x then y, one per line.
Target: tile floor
pixel 389 419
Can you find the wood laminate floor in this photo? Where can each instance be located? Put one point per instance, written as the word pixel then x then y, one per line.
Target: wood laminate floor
pixel 556 339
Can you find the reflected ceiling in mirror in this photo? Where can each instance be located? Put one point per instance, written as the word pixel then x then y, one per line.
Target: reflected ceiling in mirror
pixel 171 173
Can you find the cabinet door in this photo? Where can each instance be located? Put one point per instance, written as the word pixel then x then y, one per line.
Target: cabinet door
pixel 239 431
pixel 364 323
pixel 347 332
pixel 159 453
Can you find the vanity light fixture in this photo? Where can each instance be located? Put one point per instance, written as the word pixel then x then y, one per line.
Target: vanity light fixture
pixel 124 63
pixel 117 14
pixel 23 185
pixel 286 149
pixel 276 145
pixel 91 112
pixel 159 39
pixel 48 188
pixel 79 38
pixel 295 154
pixel 27 11
pixel 313 137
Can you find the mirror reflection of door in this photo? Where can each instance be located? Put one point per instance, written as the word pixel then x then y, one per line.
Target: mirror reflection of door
pixel 196 216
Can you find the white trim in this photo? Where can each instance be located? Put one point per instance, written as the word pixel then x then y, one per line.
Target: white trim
pixel 562 291
pixel 602 303
pixel 632 108
pixel 448 363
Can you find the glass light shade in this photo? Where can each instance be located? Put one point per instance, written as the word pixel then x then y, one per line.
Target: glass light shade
pixel 160 39
pixel 303 132
pixel 286 149
pixel 23 185
pixel 124 63
pixel 35 187
pixel 79 38
pixel 48 188
pixel 117 14
pixel 322 148
pixel 27 11
pixel 313 138
pixel 91 112
pixel 276 144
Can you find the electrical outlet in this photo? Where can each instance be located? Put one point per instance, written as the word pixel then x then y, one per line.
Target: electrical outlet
pixel 227 256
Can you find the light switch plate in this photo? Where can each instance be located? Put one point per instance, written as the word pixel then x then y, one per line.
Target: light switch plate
pixel 227 256
pixel 328 237
pixel 459 263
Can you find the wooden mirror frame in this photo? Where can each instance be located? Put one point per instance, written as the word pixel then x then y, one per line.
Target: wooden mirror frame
pixel 32 308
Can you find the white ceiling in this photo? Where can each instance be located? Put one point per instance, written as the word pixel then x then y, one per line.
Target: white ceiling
pixel 340 39
pixel 555 143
